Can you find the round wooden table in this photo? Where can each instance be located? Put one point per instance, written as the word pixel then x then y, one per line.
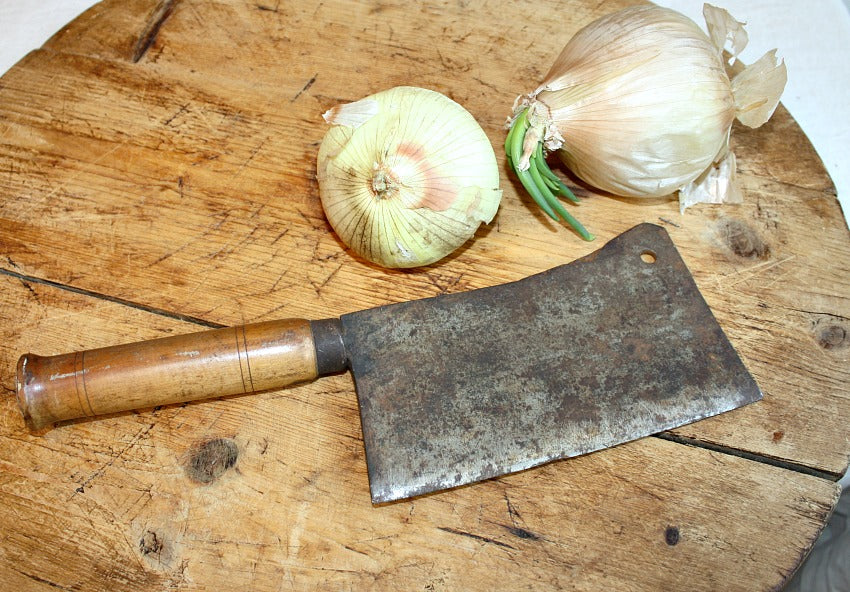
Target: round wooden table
pixel 157 177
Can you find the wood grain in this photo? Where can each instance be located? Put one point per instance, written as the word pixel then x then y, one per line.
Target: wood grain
pixel 157 176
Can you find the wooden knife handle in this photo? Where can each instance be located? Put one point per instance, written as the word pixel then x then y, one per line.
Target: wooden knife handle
pixel 215 363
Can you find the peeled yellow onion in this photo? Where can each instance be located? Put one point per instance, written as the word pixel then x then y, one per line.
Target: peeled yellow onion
pixel 406 176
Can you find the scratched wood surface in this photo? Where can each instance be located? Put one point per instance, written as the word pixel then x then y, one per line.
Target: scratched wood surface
pixel 157 176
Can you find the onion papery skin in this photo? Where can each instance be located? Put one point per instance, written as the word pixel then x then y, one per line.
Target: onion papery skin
pixel 406 176
pixel 642 101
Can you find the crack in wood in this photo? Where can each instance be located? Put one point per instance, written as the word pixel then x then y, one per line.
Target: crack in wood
pixel 476 537
pixel 521 533
pixel 152 26
pixel 266 8
pixel 304 88
pixel 44 581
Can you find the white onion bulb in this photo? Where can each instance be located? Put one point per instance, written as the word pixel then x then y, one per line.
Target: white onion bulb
pixel 639 104
pixel 406 176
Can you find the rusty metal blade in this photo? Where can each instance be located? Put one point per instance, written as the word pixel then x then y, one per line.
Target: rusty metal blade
pixel 612 347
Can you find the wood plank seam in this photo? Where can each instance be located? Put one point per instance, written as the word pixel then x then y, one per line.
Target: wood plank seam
pixel 764 459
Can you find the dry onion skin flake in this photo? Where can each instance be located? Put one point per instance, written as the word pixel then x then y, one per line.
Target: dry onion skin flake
pixel 640 103
pixel 406 176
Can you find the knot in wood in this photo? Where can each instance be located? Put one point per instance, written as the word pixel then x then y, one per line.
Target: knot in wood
pixel 211 459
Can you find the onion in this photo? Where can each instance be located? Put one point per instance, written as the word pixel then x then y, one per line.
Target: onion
pixel 406 176
pixel 640 104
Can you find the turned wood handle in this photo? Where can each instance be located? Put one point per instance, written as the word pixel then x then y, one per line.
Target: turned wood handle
pixel 215 363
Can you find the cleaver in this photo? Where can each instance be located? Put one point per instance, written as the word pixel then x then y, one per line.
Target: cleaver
pixel 456 388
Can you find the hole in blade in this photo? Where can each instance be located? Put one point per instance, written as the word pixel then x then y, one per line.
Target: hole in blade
pixel 648 256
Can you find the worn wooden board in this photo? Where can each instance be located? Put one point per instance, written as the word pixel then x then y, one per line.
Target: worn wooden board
pixel 160 157
pixel 270 492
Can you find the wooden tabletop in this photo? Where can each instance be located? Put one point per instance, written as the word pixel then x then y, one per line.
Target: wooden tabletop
pixel 157 176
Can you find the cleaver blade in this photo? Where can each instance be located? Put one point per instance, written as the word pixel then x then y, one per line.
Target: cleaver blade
pixel 615 346
pixel 456 388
